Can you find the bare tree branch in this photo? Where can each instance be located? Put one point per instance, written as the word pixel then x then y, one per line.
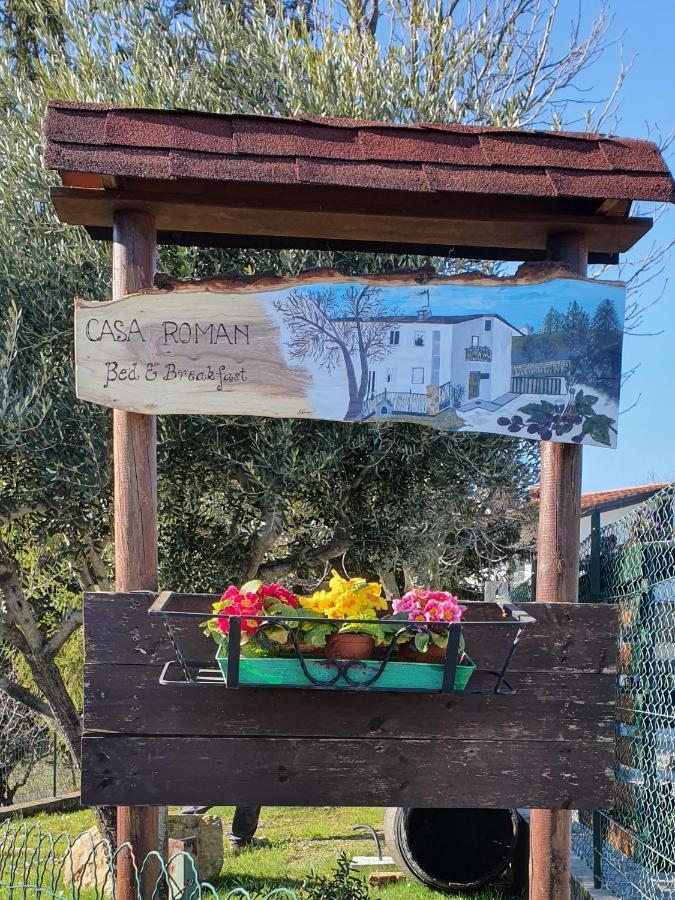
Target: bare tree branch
pixel 66 627
pixel 262 539
pixel 306 555
pixel 28 698
pixel 22 511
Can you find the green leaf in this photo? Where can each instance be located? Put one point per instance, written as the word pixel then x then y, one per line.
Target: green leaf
pixel 375 631
pixel 252 649
pixel 600 433
pixel 533 409
pixel 422 641
pixel 279 608
pixel 316 635
pixel 250 587
pixel 274 633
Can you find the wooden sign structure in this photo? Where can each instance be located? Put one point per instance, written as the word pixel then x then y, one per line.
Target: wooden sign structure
pixel 537 355
pixel 139 176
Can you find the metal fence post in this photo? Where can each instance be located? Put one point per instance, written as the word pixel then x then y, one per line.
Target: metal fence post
pixel 597 849
pixel 54 764
pixel 595 577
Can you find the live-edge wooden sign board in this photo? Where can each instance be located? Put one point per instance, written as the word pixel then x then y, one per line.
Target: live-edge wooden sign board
pixel 537 355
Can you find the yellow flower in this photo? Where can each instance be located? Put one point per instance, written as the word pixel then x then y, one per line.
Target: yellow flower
pixel 346 598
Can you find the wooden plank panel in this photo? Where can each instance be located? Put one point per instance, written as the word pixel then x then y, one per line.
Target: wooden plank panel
pixel 569 638
pixel 130 700
pixel 292 772
pixel 173 212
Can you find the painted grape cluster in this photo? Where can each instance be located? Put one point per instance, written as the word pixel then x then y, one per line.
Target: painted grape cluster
pixel 547 420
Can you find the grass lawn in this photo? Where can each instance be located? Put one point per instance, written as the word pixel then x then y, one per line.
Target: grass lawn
pixel 301 840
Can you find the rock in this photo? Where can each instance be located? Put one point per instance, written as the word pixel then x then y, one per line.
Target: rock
pixel 209 833
pixel 86 865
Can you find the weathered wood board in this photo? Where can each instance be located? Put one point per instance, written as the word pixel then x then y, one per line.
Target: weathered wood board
pixel 552 744
pixel 536 355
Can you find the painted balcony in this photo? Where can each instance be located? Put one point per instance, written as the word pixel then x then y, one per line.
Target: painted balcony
pixel 478 354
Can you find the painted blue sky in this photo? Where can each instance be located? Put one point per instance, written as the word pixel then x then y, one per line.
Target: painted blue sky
pixel 518 304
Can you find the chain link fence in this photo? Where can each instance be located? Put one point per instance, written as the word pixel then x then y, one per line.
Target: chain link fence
pixel 631 563
pixel 34 764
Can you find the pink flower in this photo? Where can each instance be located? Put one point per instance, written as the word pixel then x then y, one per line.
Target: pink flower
pixel 406 604
pixel 420 605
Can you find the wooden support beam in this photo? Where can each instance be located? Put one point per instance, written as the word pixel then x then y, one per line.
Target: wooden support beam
pixel 352 217
pixel 557 581
pixel 135 479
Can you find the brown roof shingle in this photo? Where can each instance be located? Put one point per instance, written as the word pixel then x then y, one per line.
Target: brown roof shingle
pixel 176 144
pixel 619 496
pixel 615 498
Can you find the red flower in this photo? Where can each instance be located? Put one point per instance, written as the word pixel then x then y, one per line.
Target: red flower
pixel 252 603
pixel 234 603
pixel 279 592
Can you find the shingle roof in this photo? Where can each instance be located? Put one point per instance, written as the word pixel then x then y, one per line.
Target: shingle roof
pixel 613 499
pixel 619 497
pixel 178 144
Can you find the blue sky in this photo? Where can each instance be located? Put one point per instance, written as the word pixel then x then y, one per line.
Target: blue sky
pixel 647 430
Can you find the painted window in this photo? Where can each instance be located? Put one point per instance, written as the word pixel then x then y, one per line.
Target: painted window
pixel 419 339
pixel 394 337
pixel 475 340
pixel 418 375
pixel 371 382
pixel 488 324
pixel 391 375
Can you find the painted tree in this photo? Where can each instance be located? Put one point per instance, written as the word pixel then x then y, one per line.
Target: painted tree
pixel 334 330
pixel 554 321
pixel 576 320
pixel 605 317
pixel 240 497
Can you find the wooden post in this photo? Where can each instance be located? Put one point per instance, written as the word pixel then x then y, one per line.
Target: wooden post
pixel 557 581
pixel 135 478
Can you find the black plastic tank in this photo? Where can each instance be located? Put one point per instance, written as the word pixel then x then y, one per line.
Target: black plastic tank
pixel 453 849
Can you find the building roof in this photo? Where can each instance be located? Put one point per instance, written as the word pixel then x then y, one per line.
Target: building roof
pixel 107 154
pixel 619 497
pixel 433 320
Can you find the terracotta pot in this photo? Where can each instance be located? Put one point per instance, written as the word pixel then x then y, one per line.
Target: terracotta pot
pixel 434 654
pixel 350 646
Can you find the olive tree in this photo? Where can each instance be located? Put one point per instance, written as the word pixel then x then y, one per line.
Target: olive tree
pixel 241 497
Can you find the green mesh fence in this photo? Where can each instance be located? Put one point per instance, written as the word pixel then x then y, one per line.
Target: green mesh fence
pixel 631 563
pixel 36 865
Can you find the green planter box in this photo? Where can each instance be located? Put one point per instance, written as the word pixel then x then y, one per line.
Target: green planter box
pixel 397 676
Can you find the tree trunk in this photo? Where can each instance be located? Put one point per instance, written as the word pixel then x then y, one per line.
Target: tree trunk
pixel 389 583
pixel 354 410
pixel 47 676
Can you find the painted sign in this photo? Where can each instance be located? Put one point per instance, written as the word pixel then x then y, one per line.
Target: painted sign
pixel 536 355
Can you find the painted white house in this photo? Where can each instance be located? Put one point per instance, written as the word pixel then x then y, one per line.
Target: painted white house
pixel 467 357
